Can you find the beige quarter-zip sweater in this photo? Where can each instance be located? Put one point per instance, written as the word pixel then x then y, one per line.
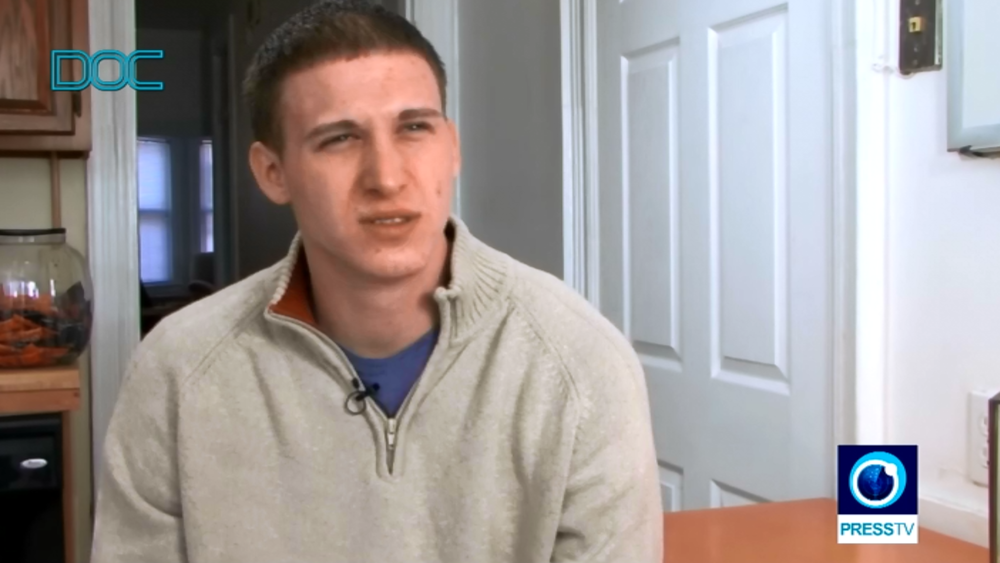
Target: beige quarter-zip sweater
pixel 527 438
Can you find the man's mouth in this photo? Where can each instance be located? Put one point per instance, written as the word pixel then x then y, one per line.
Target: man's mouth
pixel 389 218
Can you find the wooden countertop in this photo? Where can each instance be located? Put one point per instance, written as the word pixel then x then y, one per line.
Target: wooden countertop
pixel 55 389
pixel 793 532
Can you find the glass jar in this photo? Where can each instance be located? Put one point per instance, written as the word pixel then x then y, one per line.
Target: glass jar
pixel 46 298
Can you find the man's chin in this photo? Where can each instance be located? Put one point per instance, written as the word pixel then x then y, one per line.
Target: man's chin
pixel 390 262
pixel 393 268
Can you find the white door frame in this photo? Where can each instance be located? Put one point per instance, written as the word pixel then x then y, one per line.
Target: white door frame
pixel 112 232
pixel 112 197
pixel 438 22
pixel 581 229
pixel 858 207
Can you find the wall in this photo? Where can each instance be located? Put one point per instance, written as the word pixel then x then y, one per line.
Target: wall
pixel 261 230
pixel 175 14
pixel 511 108
pixel 24 183
pixel 943 293
pixel 180 109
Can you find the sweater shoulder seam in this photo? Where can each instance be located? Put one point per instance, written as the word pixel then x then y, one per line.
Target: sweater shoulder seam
pixel 564 371
pixel 209 357
pixel 536 324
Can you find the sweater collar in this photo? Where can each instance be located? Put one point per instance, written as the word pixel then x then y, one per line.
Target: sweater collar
pixel 480 281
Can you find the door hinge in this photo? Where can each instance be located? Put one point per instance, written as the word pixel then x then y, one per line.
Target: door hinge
pixel 77 103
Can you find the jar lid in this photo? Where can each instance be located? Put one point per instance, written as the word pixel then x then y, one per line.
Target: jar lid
pixel 31 232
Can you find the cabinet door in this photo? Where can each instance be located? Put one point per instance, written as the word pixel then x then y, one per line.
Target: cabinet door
pixel 29 31
pixel 33 118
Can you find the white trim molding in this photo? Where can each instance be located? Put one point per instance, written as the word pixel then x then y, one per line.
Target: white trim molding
pixel 581 226
pixel 871 189
pixel 113 239
pixel 844 182
pixel 437 20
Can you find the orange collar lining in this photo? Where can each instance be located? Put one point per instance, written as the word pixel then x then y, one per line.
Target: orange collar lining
pixel 297 300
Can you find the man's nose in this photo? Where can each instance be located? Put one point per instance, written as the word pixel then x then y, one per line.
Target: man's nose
pixel 385 166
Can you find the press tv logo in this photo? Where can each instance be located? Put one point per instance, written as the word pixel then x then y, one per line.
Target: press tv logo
pixel 877 494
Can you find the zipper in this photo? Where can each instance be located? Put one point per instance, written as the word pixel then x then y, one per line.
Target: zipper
pixel 390 442
pixel 392 423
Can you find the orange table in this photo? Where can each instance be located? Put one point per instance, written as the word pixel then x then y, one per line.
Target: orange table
pixel 793 532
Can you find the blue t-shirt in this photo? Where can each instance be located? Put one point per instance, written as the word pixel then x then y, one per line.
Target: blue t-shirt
pixel 396 374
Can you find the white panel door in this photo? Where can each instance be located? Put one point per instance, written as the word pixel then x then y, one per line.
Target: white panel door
pixel 715 237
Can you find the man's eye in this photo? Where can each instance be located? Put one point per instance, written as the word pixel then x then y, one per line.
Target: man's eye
pixel 336 139
pixel 417 127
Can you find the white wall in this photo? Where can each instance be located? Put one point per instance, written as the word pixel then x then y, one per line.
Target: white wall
pixel 943 294
pixel 510 120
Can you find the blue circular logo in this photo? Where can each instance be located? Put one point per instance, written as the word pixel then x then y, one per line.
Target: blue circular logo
pixel 878 480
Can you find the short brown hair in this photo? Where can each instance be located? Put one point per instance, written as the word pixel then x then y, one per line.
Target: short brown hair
pixel 327 30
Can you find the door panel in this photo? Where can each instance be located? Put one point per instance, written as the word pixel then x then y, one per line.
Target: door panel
pixel 715 237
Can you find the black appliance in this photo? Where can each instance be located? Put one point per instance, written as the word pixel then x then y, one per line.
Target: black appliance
pixel 31 483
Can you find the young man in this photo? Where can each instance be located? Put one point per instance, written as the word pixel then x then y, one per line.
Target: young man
pixel 394 390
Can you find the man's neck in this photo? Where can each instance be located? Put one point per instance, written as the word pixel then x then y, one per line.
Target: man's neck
pixel 376 320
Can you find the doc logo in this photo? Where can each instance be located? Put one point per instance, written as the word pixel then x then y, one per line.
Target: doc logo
pixel 877 494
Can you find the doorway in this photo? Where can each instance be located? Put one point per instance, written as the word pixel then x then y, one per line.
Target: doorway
pixel 203 224
pixel 183 156
pixel 707 232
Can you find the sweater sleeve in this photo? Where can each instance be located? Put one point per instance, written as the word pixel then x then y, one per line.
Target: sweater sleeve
pixel 138 510
pixel 612 511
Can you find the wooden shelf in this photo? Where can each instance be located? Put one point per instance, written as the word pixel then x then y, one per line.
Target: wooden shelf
pixel 54 389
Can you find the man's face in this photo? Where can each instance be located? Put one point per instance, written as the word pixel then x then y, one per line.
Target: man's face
pixel 367 164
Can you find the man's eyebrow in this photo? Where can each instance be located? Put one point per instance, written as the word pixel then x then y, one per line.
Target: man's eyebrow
pixel 333 126
pixel 345 125
pixel 418 113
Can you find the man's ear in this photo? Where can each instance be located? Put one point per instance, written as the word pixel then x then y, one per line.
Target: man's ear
pixel 266 167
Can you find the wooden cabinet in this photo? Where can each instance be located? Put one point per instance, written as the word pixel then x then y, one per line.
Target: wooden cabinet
pixel 48 390
pixel 33 117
